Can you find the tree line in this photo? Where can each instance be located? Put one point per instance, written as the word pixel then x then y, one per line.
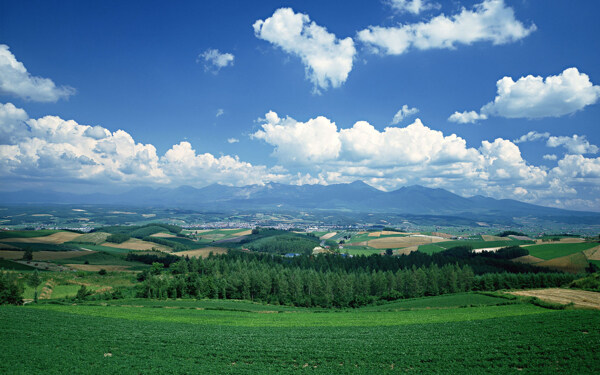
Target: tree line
pixel 268 280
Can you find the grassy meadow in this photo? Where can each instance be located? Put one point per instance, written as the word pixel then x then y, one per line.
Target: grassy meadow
pixel 241 337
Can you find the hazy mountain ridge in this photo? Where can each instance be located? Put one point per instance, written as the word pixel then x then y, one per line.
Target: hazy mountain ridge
pixel 356 196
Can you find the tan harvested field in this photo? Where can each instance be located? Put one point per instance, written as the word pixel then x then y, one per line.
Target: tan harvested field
pixel 573 263
pixel 163 235
pixel 97 267
pixel 327 236
pixel 363 232
pixel 202 253
pixel 406 250
pixel 374 234
pixel 487 237
pixel 244 233
pixel 580 298
pixel 521 238
pixel 44 255
pixel 593 253
pixel 55 238
pixel 528 259
pixel 562 240
pixel 443 235
pixel 391 242
pixel 135 244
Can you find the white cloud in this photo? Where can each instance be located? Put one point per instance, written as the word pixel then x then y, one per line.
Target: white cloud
pixel 65 151
pixel 327 59
pixel 313 141
pixel 220 112
pixel 232 140
pixel 578 166
pixel 403 113
pixel 574 145
pixel 412 6
pixel 489 21
pixel 416 154
pixel 532 136
pixel 466 117
pixel 550 157
pixel 15 80
pixel 536 97
pixel 214 60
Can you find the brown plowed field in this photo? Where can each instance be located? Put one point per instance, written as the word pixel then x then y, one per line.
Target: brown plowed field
pixel 487 237
pixel 163 235
pixel 580 298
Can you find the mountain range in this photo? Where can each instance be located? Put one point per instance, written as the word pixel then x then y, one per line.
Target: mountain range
pixel 355 197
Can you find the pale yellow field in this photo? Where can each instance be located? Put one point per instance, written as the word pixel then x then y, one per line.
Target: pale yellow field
pixel 593 253
pixel 44 255
pixel 443 235
pixel 487 237
pixel 213 237
pixel 581 298
pixel 573 263
pixel 55 238
pixel 163 235
pixel 374 234
pixel 327 236
pixel 244 233
pixel 97 267
pixel 136 244
pixel 391 242
pixel 202 253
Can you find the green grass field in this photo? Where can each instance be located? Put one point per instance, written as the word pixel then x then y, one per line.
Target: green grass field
pixel 431 249
pixel 9 265
pixel 551 251
pixel 26 233
pixel 58 339
pixel 440 302
pixel 481 244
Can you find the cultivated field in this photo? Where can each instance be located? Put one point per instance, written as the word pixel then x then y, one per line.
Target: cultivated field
pixel 55 238
pixel 394 242
pixel 238 338
pixel 580 298
pixel 201 253
pixel 135 244
pixel 44 255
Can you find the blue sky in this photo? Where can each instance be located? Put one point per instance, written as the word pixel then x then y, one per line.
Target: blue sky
pixel 110 95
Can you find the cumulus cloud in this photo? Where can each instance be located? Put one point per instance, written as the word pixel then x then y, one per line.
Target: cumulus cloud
pixel 403 113
pixel 232 140
pixel 550 157
pixel 489 21
pixel 220 112
pixel 15 80
pixel 466 117
pixel 532 136
pixel 63 150
pixel 536 97
pixel 214 60
pixel 313 141
pixel 575 145
pixel 416 154
pixel 327 59
pixel 412 6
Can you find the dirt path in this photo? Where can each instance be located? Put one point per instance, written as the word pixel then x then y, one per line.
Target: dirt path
pixel 580 298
